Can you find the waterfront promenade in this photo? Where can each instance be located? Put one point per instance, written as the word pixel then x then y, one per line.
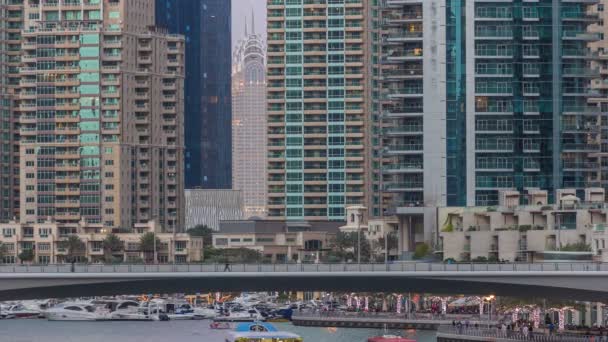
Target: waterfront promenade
pixel 383 320
pixel 455 334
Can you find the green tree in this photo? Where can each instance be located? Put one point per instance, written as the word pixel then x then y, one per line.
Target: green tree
pixel 26 255
pixel 576 247
pixel 422 250
pixel 146 244
pixel 2 252
pixel 112 244
pixel 232 255
pixel 73 246
pixel 346 245
pixel 202 231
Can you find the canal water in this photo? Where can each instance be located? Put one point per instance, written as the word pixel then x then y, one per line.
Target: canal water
pixel 184 331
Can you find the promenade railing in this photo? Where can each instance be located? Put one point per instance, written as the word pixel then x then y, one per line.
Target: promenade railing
pixel 305 267
pixel 495 333
pixel 413 316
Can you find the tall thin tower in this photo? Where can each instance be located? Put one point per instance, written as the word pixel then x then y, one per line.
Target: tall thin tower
pixel 249 121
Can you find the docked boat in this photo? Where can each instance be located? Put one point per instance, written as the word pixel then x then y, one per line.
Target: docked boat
pixel 220 325
pixel 238 315
pixel 73 312
pixel 260 332
pixel 205 313
pixel 21 311
pixel 175 311
pixel 389 338
pixel 126 310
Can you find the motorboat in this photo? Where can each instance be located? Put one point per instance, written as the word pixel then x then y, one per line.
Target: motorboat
pixel 176 311
pixel 126 310
pixel 240 315
pixel 220 325
pixel 259 332
pixel 205 313
pixel 21 311
pixel 73 312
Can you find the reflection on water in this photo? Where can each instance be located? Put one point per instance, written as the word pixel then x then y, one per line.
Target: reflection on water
pixel 184 331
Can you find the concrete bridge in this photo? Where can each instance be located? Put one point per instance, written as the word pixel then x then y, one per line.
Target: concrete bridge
pixel 581 281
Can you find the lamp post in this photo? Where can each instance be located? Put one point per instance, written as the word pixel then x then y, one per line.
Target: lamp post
pixel 359 217
pixel 489 299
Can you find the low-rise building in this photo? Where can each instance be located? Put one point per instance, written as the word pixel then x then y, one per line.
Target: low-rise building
pixel 210 206
pixel 571 229
pixel 44 240
pixel 278 241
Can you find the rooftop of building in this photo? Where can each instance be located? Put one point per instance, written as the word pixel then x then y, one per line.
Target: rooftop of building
pixel 273 226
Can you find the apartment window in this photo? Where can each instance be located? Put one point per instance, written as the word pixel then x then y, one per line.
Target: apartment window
pixel 44 246
pixel 221 242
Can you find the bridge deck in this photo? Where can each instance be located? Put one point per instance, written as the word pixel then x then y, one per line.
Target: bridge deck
pixel 339 267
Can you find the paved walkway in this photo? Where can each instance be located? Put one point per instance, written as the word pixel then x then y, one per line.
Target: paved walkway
pixel 482 334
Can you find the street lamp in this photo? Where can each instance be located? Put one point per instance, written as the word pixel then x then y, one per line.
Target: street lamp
pixel 489 299
pixel 359 217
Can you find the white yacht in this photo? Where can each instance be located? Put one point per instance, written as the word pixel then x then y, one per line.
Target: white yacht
pixel 73 312
pixel 205 313
pixel 21 311
pixel 126 310
pixel 240 315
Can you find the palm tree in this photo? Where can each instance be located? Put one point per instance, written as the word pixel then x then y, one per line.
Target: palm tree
pixel 147 242
pixel 112 245
pixel 73 246
pixel 2 252
pixel 27 255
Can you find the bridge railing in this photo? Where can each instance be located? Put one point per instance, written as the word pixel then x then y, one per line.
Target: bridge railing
pixel 294 267
pixel 496 334
pixel 413 316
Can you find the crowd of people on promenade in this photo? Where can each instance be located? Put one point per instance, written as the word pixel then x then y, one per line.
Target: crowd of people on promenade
pixel 524 330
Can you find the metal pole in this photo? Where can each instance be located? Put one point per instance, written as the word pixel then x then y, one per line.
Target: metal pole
pixel 386 248
pixel 155 258
pixel 489 312
pixel 359 238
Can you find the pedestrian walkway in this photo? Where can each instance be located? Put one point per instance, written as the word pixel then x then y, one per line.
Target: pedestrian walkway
pixel 451 333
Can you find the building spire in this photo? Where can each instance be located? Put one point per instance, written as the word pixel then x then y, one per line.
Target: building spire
pixel 252 21
pixel 246 32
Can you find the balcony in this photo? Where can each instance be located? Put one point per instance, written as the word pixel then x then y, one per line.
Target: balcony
pixel 404 168
pixel 408 92
pixel 404 130
pixel 404 149
pixel 404 187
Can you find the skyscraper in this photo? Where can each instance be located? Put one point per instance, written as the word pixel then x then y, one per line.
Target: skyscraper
pixel 317 108
pixel 249 122
pixel 101 113
pixel 206 25
pixel 11 22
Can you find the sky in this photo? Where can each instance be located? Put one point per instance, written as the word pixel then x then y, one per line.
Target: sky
pixel 242 9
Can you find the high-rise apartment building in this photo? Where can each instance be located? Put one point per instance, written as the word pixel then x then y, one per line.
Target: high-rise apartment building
pixel 101 114
pixel 484 96
pixel 466 99
pixel 317 108
pixel 249 123
pixel 206 24
pixel 599 49
pixel 11 21
pixel 528 86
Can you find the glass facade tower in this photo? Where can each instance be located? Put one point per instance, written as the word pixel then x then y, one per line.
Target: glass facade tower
pixel 528 119
pixel 207 27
